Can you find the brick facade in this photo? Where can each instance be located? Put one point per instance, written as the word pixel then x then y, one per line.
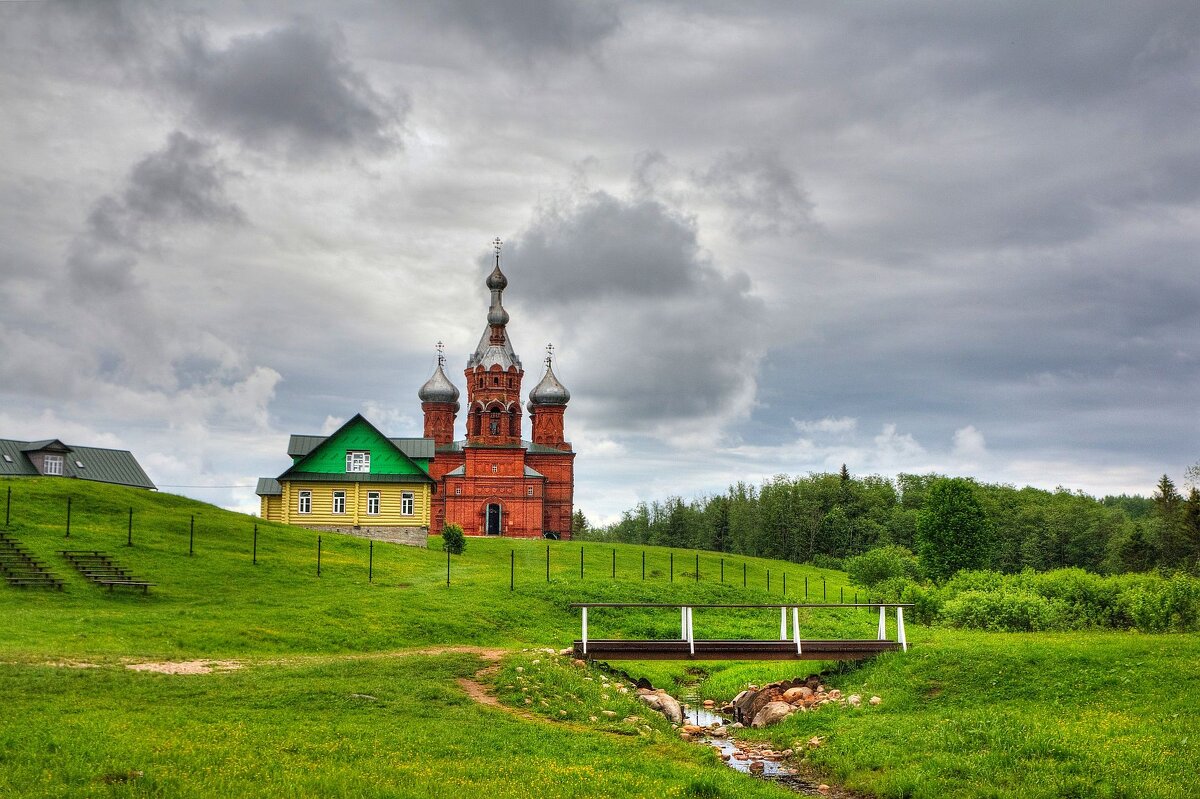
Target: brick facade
pixel 493 482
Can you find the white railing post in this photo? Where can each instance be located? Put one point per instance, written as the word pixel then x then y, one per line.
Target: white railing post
pixel 691 633
pixel 796 629
pixel 783 624
pixel 585 631
pixel 882 624
pixel 683 623
pixel 900 629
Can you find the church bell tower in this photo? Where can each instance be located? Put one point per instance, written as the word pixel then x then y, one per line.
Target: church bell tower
pixel 494 375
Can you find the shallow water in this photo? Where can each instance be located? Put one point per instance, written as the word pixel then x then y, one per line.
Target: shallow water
pixel 704 717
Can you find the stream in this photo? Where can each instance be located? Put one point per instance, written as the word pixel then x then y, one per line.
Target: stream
pixel 740 756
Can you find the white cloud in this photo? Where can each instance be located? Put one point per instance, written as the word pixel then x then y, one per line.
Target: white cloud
pixel 840 426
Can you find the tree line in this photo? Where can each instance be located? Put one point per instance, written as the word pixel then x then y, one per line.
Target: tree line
pixel 953 523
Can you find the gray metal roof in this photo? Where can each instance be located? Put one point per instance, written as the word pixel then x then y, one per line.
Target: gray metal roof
pixel 85 463
pixel 268 487
pixel 423 448
pixel 458 471
pixel 530 472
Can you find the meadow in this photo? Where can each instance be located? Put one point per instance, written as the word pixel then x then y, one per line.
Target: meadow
pixel 342 687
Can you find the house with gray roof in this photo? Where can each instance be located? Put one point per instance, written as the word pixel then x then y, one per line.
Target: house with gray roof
pixel 53 458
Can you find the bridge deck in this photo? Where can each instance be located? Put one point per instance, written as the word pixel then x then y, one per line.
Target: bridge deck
pixel 601 649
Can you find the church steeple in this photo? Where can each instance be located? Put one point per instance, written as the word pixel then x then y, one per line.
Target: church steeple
pixel 494 373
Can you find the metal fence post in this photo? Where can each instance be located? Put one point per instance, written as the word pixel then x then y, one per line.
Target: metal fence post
pixel 697 567
pixel 318 556
pixel 581 563
pixel 68 535
pixel 371 561
pixel 192 539
pixel 614 573
pixel 672 567
pixel 512 570
pixel 129 537
pixel 547 563
pixel 254 552
pixel 8 508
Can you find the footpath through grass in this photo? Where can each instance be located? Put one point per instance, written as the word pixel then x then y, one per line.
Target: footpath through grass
pixel 319 707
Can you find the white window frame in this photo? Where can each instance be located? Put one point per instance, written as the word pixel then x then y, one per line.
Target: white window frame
pixel 304 502
pixel 372 503
pixel 53 464
pixel 495 468
pixel 458 491
pixel 339 502
pixel 358 461
pixel 407 501
pixel 529 491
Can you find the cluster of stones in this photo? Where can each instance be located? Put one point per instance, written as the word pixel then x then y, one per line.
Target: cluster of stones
pixel 770 704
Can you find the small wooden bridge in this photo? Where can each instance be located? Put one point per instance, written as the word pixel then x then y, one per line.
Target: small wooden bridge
pixel 787 647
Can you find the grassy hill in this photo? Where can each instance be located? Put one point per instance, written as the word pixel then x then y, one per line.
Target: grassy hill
pixel 333 696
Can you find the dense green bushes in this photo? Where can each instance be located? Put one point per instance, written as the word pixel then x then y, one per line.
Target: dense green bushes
pixel 953 522
pixel 1063 599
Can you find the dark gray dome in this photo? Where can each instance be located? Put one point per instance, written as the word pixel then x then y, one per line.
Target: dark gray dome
pixel 497 315
pixel 549 391
pixel 496 280
pixel 438 388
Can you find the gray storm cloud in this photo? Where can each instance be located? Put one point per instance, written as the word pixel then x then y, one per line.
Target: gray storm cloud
pixel 658 334
pixel 291 87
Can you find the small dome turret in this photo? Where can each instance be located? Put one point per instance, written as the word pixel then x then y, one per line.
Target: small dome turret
pixel 550 391
pixel 496 281
pixel 438 388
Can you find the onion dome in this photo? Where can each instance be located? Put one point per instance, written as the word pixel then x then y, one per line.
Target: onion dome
pixel 497 316
pixel 549 391
pixel 496 280
pixel 438 388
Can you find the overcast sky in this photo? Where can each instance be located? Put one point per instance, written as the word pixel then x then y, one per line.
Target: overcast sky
pixel 763 237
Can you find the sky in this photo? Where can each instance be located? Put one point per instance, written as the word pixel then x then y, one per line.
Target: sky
pixel 764 237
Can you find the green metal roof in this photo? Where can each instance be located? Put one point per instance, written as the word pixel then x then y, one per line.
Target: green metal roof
pixel 420 448
pixel 353 477
pixel 85 463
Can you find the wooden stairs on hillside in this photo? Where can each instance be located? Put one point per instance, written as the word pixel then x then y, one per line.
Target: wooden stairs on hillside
pixel 102 569
pixel 21 569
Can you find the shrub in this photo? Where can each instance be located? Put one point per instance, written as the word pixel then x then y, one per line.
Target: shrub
pixel 996 610
pixel 822 561
pixel 1156 606
pixel 885 563
pixel 453 540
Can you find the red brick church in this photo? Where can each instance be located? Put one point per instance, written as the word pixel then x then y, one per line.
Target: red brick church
pixel 493 482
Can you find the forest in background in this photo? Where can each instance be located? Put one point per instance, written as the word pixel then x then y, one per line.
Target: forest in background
pixel 824 519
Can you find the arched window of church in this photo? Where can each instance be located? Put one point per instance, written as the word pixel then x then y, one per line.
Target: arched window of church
pixel 495 423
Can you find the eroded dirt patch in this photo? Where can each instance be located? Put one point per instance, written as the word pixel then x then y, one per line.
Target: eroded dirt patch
pixel 186 666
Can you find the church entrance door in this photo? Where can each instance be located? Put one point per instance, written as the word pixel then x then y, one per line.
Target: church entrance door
pixel 493 519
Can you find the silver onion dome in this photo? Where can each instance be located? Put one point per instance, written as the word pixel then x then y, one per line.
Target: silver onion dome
pixel 496 281
pixel 549 391
pixel 438 388
pixel 497 315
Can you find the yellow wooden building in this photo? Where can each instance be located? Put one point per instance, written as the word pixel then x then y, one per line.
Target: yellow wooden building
pixel 357 481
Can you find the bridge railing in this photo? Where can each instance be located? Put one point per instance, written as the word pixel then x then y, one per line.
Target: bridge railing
pixel 687 631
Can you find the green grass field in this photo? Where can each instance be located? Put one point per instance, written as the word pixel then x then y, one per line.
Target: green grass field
pixel 333 698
